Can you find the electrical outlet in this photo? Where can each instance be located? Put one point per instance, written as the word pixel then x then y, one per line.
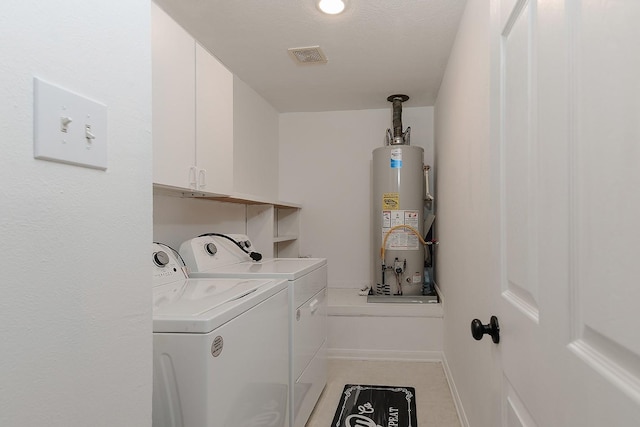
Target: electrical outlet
pixel 69 128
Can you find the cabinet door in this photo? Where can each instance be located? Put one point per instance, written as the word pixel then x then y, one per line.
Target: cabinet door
pixel 173 85
pixel 214 124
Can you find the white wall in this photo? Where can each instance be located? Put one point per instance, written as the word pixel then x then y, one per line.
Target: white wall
pixel 75 312
pixel 325 164
pixel 255 143
pixel 176 219
pixel 467 267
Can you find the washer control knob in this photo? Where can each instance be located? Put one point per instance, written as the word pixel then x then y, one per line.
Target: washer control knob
pixel 246 244
pixel 160 258
pixel 211 248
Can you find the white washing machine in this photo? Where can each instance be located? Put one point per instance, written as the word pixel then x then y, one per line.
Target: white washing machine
pixel 217 256
pixel 220 349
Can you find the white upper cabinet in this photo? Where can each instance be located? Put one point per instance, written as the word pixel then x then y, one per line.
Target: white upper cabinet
pixel 173 84
pixel 192 112
pixel 214 124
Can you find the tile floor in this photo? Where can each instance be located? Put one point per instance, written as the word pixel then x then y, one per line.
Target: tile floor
pixel 434 404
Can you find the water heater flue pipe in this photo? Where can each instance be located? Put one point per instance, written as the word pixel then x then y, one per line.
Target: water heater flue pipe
pixel 398 136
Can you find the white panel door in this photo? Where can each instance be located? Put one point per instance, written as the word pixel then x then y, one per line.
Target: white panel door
pixel 566 149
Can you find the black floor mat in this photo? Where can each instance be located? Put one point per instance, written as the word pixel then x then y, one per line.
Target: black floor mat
pixel 376 406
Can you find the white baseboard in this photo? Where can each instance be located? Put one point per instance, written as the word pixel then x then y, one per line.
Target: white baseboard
pixel 462 416
pixel 388 355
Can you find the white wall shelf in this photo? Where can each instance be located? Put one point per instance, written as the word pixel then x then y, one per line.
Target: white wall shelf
pixel 287 238
pixel 273 226
pixel 248 199
pixel 286 229
pixel 274 229
pixel 243 199
pixel 168 190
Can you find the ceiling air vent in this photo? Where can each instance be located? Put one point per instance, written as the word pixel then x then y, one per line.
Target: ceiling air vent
pixel 308 55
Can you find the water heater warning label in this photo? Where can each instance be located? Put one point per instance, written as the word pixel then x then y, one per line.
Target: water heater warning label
pixel 401 239
pixel 396 158
pixel 390 201
pixel 411 218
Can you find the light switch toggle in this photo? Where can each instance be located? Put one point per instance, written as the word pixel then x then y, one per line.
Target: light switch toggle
pixel 64 123
pixel 68 127
pixel 88 134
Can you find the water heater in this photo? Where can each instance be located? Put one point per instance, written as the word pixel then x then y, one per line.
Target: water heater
pixel 398 209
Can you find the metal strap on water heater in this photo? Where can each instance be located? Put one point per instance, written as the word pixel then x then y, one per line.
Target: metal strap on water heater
pixel 428 197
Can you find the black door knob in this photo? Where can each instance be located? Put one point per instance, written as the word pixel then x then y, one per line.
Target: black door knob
pixel 493 328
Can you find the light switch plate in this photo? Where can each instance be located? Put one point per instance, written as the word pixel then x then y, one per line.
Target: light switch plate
pixel 68 127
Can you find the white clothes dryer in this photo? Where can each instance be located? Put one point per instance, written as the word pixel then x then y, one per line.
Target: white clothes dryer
pixel 220 348
pixel 233 256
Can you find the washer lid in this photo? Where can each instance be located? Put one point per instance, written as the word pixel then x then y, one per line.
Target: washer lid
pixel 281 268
pixel 201 305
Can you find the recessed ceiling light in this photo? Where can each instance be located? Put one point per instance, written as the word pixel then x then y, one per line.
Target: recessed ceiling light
pixel 331 7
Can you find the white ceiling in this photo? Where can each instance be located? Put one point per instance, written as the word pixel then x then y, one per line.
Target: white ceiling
pixel 375 48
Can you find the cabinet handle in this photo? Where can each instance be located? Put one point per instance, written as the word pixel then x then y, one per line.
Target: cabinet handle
pixel 202 178
pixel 193 172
